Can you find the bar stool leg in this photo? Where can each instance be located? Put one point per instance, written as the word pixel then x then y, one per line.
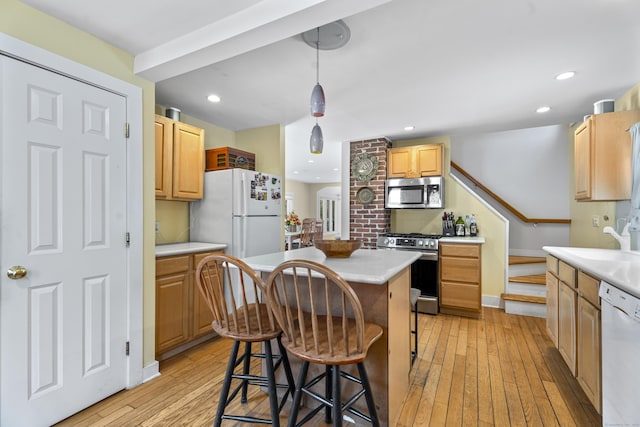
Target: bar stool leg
pixel 337 400
pixel 271 380
pixel 224 393
pixel 368 395
pixel 414 354
pixel 288 373
pixel 297 396
pixel 328 391
pixel 245 370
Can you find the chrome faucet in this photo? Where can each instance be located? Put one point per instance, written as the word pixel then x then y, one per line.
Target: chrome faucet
pixel 623 238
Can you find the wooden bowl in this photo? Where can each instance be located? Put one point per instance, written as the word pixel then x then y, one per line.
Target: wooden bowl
pixel 337 248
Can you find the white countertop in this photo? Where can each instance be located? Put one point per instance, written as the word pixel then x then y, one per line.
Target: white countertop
pixel 187 248
pixel 364 265
pixel 453 239
pixel 620 269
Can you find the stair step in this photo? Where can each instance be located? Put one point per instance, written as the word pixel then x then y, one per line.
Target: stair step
pixel 524 298
pixel 515 259
pixel 532 279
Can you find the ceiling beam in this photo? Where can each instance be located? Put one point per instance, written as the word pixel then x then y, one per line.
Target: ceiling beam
pixel 264 23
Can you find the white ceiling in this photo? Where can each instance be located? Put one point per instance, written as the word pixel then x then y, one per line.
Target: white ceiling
pixel 443 66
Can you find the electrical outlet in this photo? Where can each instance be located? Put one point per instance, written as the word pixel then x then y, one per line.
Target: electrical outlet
pixel 157 226
pixel 595 221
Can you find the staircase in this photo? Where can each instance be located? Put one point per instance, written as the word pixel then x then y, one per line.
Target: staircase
pixel 526 290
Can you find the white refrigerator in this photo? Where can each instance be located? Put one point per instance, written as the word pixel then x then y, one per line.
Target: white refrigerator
pixel 240 208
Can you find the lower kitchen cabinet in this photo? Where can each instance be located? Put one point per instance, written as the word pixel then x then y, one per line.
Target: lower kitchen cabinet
pixel 567 300
pixel 460 279
pixel 574 317
pixel 182 316
pixel 589 349
pixel 552 307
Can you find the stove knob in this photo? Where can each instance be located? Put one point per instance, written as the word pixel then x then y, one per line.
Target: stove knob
pixel 420 243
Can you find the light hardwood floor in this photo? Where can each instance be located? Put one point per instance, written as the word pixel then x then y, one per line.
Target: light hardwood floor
pixel 500 370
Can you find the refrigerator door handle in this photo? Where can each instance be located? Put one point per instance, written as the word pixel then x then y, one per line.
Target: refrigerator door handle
pixel 243 236
pixel 243 195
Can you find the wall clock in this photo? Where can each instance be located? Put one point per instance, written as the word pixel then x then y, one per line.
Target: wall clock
pixel 364 166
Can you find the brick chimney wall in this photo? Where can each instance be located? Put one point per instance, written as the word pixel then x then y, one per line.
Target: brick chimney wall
pixel 367 221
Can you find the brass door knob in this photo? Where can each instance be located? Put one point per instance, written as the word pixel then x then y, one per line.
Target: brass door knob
pixel 16 272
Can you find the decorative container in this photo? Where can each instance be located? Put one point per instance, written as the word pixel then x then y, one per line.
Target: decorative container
pixel 337 248
pixel 228 158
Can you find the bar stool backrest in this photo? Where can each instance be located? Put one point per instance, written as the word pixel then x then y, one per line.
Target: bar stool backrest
pixel 301 294
pixel 241 316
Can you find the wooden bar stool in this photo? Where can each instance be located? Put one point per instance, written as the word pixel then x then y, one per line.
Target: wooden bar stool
pixel 413 299
pixel 244 320
pixel 301 293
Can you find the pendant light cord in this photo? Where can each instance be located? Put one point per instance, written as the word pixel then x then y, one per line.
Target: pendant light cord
pixel 318 56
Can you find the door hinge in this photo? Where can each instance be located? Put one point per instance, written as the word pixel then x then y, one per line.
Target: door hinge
pixel 127 348
pixel 127 239
pixel 126 130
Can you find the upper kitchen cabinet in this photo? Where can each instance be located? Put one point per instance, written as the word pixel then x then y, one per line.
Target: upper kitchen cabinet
pixel 414 161
pixel 179 160
pixel 603 156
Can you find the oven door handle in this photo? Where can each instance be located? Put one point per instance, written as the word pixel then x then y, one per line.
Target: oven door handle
pixel 429 256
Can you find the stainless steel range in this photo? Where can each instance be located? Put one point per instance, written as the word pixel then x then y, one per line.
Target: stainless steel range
pixel 424 272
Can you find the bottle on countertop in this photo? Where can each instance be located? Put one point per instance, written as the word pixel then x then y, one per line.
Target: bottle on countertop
pixel 460 227
pixel 473 226
pixel 467 225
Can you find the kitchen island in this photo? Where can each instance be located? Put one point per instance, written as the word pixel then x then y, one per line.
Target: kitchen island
pixel 382 280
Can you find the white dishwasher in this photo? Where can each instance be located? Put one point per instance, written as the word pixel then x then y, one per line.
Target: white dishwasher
pixel 620 357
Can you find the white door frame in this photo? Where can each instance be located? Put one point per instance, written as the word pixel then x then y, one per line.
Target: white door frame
pixel 39 57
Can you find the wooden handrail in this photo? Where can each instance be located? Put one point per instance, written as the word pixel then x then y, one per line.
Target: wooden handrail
pixel 507 205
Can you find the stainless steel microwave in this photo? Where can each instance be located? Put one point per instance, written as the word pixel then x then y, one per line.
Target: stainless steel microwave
pixel 414 193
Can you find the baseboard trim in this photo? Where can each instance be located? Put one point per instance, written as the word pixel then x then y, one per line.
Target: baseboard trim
pixel 491 301
pixel 151 371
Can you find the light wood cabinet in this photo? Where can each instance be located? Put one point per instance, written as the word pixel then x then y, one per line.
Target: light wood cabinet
pixel 182 315
pixel 589 348
pixel 414 161
pixel 567 301
pixel 460 279
pixel 552 307
pixel 179 160
pixel 578 333
pixel 602 150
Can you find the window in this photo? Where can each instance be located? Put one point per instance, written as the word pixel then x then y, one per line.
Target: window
pixel 288 203
pixel 329 209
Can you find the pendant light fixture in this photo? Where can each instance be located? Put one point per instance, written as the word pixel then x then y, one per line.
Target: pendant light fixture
pixel 335 35
pixel 317 103
pixel 316 142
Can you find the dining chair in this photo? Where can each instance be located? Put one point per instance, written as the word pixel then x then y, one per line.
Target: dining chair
pixel 318 230
pixel 306 232
pixel 323 323
pixel 243 318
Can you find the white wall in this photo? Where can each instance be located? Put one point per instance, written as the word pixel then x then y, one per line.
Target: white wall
pixel 528 169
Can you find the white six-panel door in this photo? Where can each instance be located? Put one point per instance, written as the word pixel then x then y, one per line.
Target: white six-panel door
pixel 63 326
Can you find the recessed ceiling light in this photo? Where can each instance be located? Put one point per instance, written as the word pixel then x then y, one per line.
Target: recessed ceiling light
pixel 296 172
pixel 543 109
pixel 309 161
pixel 408 128
pixel 213 98
pixel 336 169
pixel 566 75
pixel 317 177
